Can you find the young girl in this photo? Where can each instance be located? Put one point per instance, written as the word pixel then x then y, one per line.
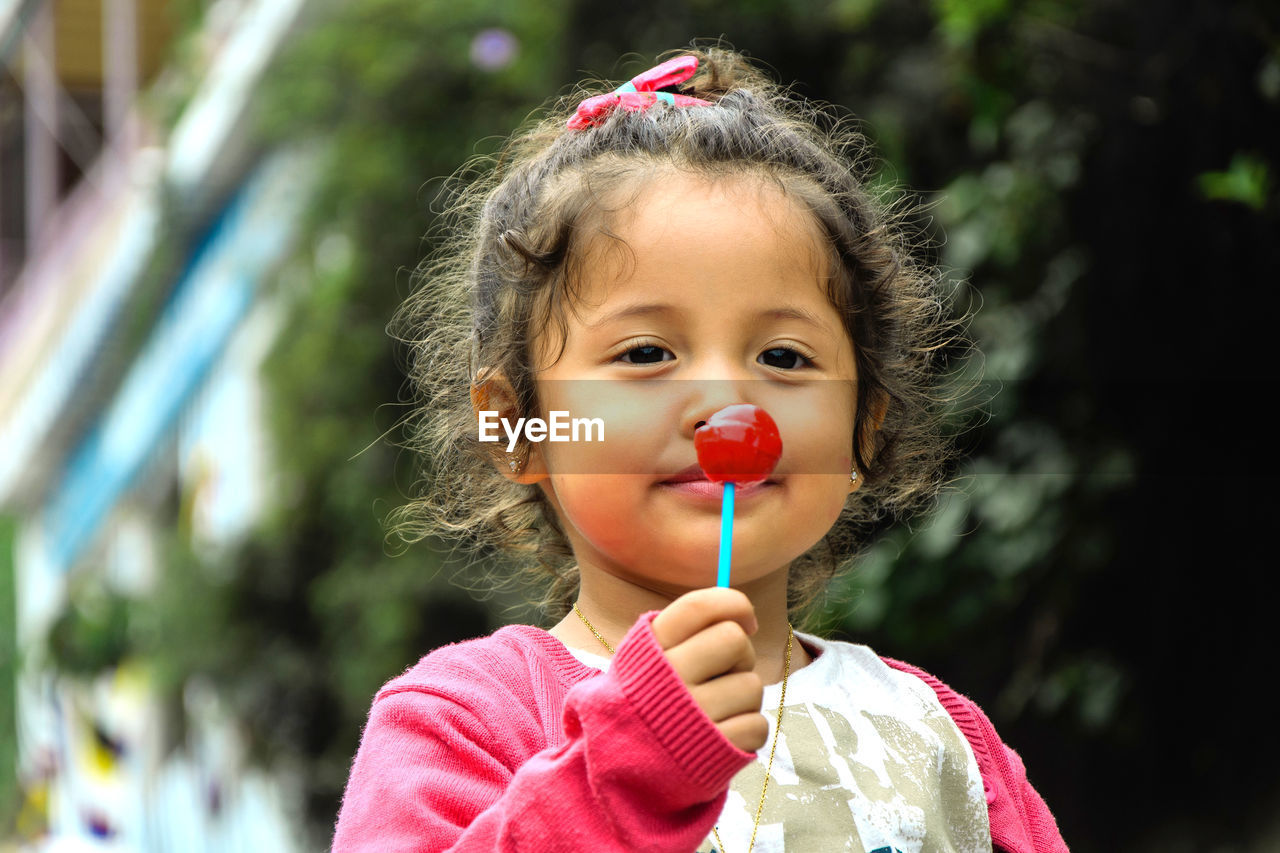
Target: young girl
pixel 643 259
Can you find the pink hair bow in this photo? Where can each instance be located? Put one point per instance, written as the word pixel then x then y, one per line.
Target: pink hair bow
pixel 640 93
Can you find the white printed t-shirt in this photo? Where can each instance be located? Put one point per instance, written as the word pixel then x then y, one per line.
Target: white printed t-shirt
pixel 868 762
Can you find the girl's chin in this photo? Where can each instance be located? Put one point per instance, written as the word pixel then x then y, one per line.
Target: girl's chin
pixel 682 562
pixel 682 578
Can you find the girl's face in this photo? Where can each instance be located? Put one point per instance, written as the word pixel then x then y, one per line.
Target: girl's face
pixel 714 296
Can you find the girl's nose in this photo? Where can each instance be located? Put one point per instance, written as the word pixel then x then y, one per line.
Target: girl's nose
pixel 706 397
pixel 717 377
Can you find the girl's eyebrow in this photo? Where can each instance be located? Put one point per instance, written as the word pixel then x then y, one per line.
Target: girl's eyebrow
pixel 791 312
pixel 627 311
pixel 642 309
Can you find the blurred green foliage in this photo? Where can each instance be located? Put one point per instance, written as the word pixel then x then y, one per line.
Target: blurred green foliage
pixel 90 635
pixel 1247 180
pixel 1068 163
pixel 8 675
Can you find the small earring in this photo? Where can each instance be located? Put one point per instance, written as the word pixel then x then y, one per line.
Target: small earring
pixel 853 476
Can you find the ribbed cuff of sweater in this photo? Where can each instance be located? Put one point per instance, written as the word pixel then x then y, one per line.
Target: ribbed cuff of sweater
pixel 667 707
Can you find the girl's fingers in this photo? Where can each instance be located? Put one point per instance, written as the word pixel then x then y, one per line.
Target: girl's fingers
pixel 721 648
pixel 706 636
pixel 729 696
pixel 748 732
pixel 694 611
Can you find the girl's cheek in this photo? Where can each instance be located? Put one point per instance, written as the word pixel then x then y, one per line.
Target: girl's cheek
pixel 601 510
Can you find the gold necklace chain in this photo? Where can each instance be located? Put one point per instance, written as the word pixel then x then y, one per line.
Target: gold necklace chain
pixel 777 728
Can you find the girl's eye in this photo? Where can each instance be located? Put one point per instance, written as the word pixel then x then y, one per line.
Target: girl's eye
pixel 648 354
pixel 783 358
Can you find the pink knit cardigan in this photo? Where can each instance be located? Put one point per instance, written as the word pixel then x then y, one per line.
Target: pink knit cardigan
pixel 509 743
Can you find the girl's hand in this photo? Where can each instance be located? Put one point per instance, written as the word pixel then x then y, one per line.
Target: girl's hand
pixel 706 635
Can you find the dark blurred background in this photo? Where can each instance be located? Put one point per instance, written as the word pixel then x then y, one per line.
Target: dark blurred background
pixel 1098 178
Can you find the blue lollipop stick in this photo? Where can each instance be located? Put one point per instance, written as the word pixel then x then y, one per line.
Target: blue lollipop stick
pixel 726 536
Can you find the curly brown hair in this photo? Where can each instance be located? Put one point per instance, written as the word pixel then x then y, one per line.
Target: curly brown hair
pixel 508 273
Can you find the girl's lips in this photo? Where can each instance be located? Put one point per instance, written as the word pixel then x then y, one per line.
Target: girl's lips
pixel 715 491
pixel 693 483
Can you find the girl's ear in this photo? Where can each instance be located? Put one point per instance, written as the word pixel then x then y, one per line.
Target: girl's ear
pixel 877 408
pixel 493 396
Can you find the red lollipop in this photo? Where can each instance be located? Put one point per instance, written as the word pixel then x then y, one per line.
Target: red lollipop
pixel 738 444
